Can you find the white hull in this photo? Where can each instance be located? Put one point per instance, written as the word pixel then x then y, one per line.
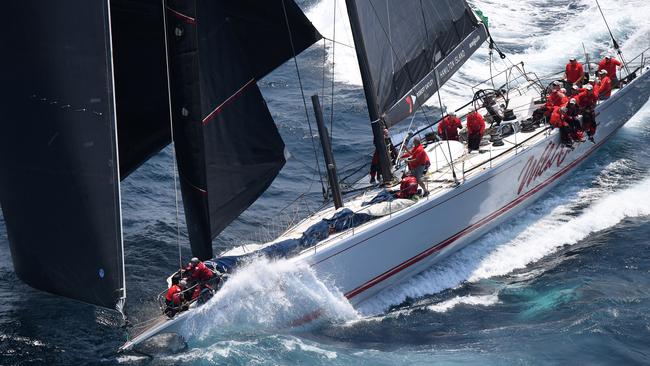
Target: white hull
pixel 363 261
pixel 410 241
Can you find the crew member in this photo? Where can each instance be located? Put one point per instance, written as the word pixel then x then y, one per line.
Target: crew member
pixel 174 298
pixel 587 101
pixel 556 99
pixel 604 86
pixel 573 111
pixel 408 187
pixel 199 272
pixel 609 64
pixel 449 126
pixel 574 72
pixel 475 130
pixel 418 162
pixel 559 120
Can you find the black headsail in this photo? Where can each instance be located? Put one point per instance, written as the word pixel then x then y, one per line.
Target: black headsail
pixel 59 175
pixel 228 148
pixel 407 43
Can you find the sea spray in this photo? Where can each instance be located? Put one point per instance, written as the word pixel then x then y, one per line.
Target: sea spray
pixel 268 296
pixel 544 229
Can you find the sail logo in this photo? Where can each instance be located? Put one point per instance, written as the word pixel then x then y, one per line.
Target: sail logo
pixel 554 154
pixel 475 41
pixel 452 63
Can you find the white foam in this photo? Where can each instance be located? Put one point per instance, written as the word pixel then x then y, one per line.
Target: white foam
pixel 542 231
pixel 267 296
pixel 297 344
pixel 484 300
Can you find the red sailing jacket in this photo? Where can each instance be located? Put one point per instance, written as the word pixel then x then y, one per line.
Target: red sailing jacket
pixel 605 87
pixel 574 73
pixel 475 124
pixel 450 125
pixel 201 273
pixel 558 119
pixel 556 99
pixel 174 295
pixel 609 66
pixel 586 100
pixel 408 187
pixel 418 157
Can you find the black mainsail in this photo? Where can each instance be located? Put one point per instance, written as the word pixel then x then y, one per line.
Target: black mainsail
pixel 228 147
pixel 412 48
pixel 59 175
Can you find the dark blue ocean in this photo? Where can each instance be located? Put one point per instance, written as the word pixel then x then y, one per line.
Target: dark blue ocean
pixel 565 282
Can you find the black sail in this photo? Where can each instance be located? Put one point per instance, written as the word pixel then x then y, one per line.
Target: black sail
pixel 228 147
pixel 59 178
pixel 141 94
pixel 413 47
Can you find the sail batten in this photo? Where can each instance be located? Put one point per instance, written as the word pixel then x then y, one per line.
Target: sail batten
pixel 405 41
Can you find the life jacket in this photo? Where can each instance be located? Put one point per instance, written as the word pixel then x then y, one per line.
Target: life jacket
pixel 408 187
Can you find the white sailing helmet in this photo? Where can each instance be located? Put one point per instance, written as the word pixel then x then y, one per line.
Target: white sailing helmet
pixel 183 283
pixel 194 261
pixel 589 87
pixel 573 101
pixel 603 72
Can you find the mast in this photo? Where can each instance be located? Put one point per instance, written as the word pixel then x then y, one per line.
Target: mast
pixel 373 108
pixel 327 152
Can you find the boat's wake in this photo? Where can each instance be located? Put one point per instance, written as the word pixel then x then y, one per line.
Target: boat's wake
pixel 545 228
pixel 268 296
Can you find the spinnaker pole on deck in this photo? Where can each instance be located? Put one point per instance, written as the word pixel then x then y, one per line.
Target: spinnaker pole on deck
pixel 373 107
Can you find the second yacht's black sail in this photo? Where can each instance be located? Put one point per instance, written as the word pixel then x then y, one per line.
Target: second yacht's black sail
pixel 412 48
pixel 228 147
pixel 59 175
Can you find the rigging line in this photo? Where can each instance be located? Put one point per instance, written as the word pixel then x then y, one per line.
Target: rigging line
pixel 338 42
pixel 171 131
pixel 453 171
pixel 618 49
pixel 324 67
pixel 302 92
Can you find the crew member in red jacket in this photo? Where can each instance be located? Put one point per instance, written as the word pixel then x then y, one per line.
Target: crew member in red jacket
pixel 604 86
pixel 574 72
pixel 559 120
pixel 587 101
pixel 418 162
pixel 475 130
pixel 449 126
pixel 200 274
pixel 609 64
pixel 556 99
pixel 408 187
pixel 174 298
